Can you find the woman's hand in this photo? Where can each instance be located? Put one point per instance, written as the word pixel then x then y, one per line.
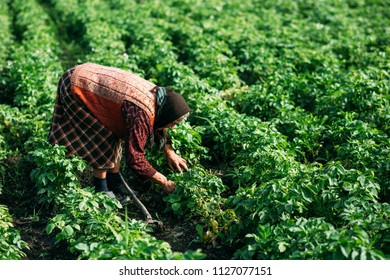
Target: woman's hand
pixel 169 187
pixel 175 161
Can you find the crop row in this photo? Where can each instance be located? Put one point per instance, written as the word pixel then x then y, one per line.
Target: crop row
pixel 90 223
pixel 305 158
pixel 90 38
pixel 11 244
pixel 5 36
pixel 266 171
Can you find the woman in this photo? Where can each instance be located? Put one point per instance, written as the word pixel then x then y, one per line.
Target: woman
pixel 97 107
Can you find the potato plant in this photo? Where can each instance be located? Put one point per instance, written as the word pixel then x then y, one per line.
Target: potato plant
pixel 78 211
pixel 11 244
pixel 239 139
pixel 288 138
pixel 5 36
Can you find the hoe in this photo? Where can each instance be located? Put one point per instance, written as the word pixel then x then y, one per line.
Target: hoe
pixel 148 217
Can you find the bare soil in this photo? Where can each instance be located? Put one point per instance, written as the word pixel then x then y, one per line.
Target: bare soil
pixel 19 195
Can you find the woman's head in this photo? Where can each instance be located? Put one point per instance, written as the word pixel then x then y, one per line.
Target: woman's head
pixel 173 110
pixel 179 120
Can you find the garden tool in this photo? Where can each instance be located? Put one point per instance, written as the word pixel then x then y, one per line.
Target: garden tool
pixel 148 217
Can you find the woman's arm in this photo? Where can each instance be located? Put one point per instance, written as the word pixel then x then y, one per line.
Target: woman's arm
pixel 174 161
pixel 137 132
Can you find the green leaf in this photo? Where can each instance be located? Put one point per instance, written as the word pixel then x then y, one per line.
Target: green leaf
pixel 82 205
pixel 282 246
pixel 51 176
pixel 82 247
pixel 199 229
pixel 68 230
pixel 176 207
pixel 354 254
pixel 345 251
pixel 288 207
pixel 50 228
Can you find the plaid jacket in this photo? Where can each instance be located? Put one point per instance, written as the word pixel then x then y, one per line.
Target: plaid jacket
pixel 82 133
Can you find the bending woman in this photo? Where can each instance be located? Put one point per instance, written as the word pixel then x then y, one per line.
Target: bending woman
pixel 98 107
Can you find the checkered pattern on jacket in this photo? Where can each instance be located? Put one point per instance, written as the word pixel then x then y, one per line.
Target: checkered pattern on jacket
pixel 74 127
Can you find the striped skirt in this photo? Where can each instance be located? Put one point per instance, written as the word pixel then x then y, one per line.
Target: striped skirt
pixel 74 127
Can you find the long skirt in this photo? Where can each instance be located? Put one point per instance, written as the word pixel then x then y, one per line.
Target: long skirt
pixel 74 127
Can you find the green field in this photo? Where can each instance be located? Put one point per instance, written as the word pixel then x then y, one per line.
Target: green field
pixel 288 140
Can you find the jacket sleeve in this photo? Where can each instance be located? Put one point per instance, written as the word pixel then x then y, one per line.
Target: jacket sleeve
pixel 138 130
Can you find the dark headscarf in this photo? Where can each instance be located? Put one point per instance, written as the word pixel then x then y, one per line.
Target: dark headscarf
pixel 172 107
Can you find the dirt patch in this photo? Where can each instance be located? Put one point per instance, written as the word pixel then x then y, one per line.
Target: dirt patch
pixel 19 194
pixel 179 232
pixel 42 246
pixel 182 236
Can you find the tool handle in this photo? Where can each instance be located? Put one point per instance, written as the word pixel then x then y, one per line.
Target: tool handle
pixel 136 200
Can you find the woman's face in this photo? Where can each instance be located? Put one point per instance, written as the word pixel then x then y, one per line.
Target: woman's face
pixel 172 124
